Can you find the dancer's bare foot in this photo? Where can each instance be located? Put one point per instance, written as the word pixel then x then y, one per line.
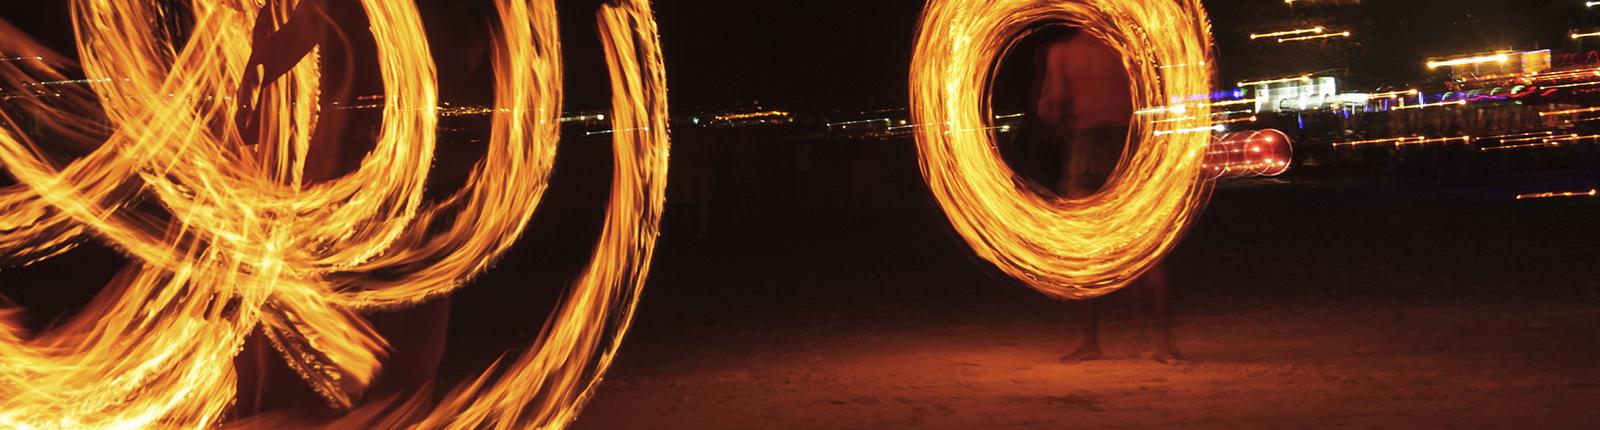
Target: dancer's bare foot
pixel 1084 353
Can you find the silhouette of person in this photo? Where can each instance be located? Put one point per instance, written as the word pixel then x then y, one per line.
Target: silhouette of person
pixel 1082 99
pixel 415 335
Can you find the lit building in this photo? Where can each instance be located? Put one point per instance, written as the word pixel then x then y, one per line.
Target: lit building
pixel 1304 94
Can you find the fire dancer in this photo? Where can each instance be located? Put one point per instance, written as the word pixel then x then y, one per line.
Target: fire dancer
pixel 1083 101
pixel 416 335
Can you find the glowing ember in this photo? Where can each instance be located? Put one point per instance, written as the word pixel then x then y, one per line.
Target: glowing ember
pixel 1067 248
pixel 241 242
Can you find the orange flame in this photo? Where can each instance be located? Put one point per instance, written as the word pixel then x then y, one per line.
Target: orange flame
pixel 240 242
pixel 1066 248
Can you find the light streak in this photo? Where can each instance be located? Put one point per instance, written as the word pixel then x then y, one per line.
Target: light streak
pixel 1570 111
pixel 1528 139
pixel 1565 74
pixel 1559 194
pixel 1206 129
pixel 1576 36
pixel 601 132
pixel 1426 141
pixel 1403 141
pixel 245 244
pixel 68 82
pixel 1316 37
pixel 1213 114
pixel 1173 109
pixel 1580 84
pixel 1519 146
pixel 1371 142
pixel 1065 248
pixel 1518 135
pixel 1537 77
pixel 1232 103
pixel 1571 138
pixel 1545 141
pixel 1392 94
pixel 847 124
pixel 1496 58
pixel 1313 30
pixel 584 118
pixel 1185 108
pixel 1233 112
pixel 916 126
pixel 1301 78
pixel 1432 105
pixel 1178 119
pixel 1194 64
pixel 1234 121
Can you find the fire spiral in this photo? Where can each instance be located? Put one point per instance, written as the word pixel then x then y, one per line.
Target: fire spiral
pixel 1066 248
pixel 228 239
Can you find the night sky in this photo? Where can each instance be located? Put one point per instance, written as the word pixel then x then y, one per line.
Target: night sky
pixel 851 53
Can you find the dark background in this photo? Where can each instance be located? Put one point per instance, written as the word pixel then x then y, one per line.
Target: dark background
pixel 845 52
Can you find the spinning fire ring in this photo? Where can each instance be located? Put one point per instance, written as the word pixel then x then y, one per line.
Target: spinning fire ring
pixel 1065 248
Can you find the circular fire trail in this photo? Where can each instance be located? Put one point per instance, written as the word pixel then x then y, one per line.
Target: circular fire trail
pixel 228 238
pixel 1066 248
